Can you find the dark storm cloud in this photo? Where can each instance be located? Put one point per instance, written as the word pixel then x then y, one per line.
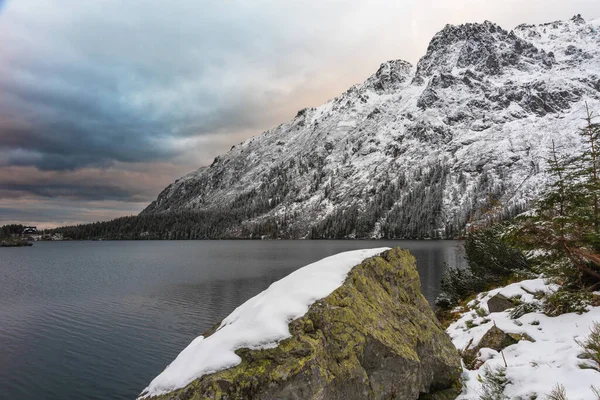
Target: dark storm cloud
pixel 72 119
pixel 81 192
pixel 112 183
pixel 88 88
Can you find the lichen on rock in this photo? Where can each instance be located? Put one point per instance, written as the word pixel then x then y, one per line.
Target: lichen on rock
pixel 375 337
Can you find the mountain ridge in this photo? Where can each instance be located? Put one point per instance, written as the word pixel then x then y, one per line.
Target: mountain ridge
pixel 414 151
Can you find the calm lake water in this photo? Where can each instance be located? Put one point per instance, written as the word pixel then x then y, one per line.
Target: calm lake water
pixel 99 320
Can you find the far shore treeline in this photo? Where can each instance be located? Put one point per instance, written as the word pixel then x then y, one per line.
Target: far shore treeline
pixel 224 224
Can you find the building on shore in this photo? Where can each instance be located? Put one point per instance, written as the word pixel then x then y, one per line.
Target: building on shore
pixel 29 230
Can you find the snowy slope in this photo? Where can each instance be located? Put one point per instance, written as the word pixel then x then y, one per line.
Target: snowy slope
pixel 414 151
pixel 260 322
pixel 533 368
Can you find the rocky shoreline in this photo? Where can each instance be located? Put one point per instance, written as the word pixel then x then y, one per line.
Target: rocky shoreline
pixel 15 243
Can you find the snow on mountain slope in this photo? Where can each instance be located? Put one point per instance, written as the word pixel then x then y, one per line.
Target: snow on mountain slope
pixel 413 151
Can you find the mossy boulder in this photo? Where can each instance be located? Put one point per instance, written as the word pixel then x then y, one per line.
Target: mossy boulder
pixel 375 337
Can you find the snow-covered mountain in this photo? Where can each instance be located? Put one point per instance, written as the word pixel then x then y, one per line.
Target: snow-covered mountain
pixel 414 151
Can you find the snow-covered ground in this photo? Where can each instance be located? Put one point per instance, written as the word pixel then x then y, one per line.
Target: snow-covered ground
pixel 533 368
pixel 260 322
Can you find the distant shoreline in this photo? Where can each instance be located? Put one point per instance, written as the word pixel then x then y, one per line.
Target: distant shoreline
pixel 15 243
pixel 249 239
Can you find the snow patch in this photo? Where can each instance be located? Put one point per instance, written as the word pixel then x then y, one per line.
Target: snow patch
pixel 260 322
pixel 534 368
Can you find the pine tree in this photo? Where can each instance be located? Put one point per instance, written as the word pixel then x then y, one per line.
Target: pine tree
pixel 588 185
pixel 494 381
pixel 567 219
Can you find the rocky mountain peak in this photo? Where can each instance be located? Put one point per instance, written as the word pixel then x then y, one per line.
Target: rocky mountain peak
pixel 390 76
pixel 578 19
pixel 573 42
pixel 485 47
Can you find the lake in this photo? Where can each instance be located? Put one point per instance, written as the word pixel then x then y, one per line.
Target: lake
pixel 99 320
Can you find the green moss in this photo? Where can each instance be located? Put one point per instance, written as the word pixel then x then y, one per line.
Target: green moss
pixel 470 324
pixel 521 336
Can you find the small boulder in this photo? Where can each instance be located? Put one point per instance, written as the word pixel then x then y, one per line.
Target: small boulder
pixel 495 339
pixel 499 303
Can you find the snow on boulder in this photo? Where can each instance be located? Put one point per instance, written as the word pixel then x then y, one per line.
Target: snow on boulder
pixel 354 325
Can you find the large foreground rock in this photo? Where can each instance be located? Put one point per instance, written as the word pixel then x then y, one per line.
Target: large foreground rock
pixel 375 337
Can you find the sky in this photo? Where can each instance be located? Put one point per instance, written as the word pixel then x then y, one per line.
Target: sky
pixel 104 103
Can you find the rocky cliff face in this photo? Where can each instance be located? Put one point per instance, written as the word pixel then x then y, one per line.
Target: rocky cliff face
pixel 375 337
pixel 413 151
